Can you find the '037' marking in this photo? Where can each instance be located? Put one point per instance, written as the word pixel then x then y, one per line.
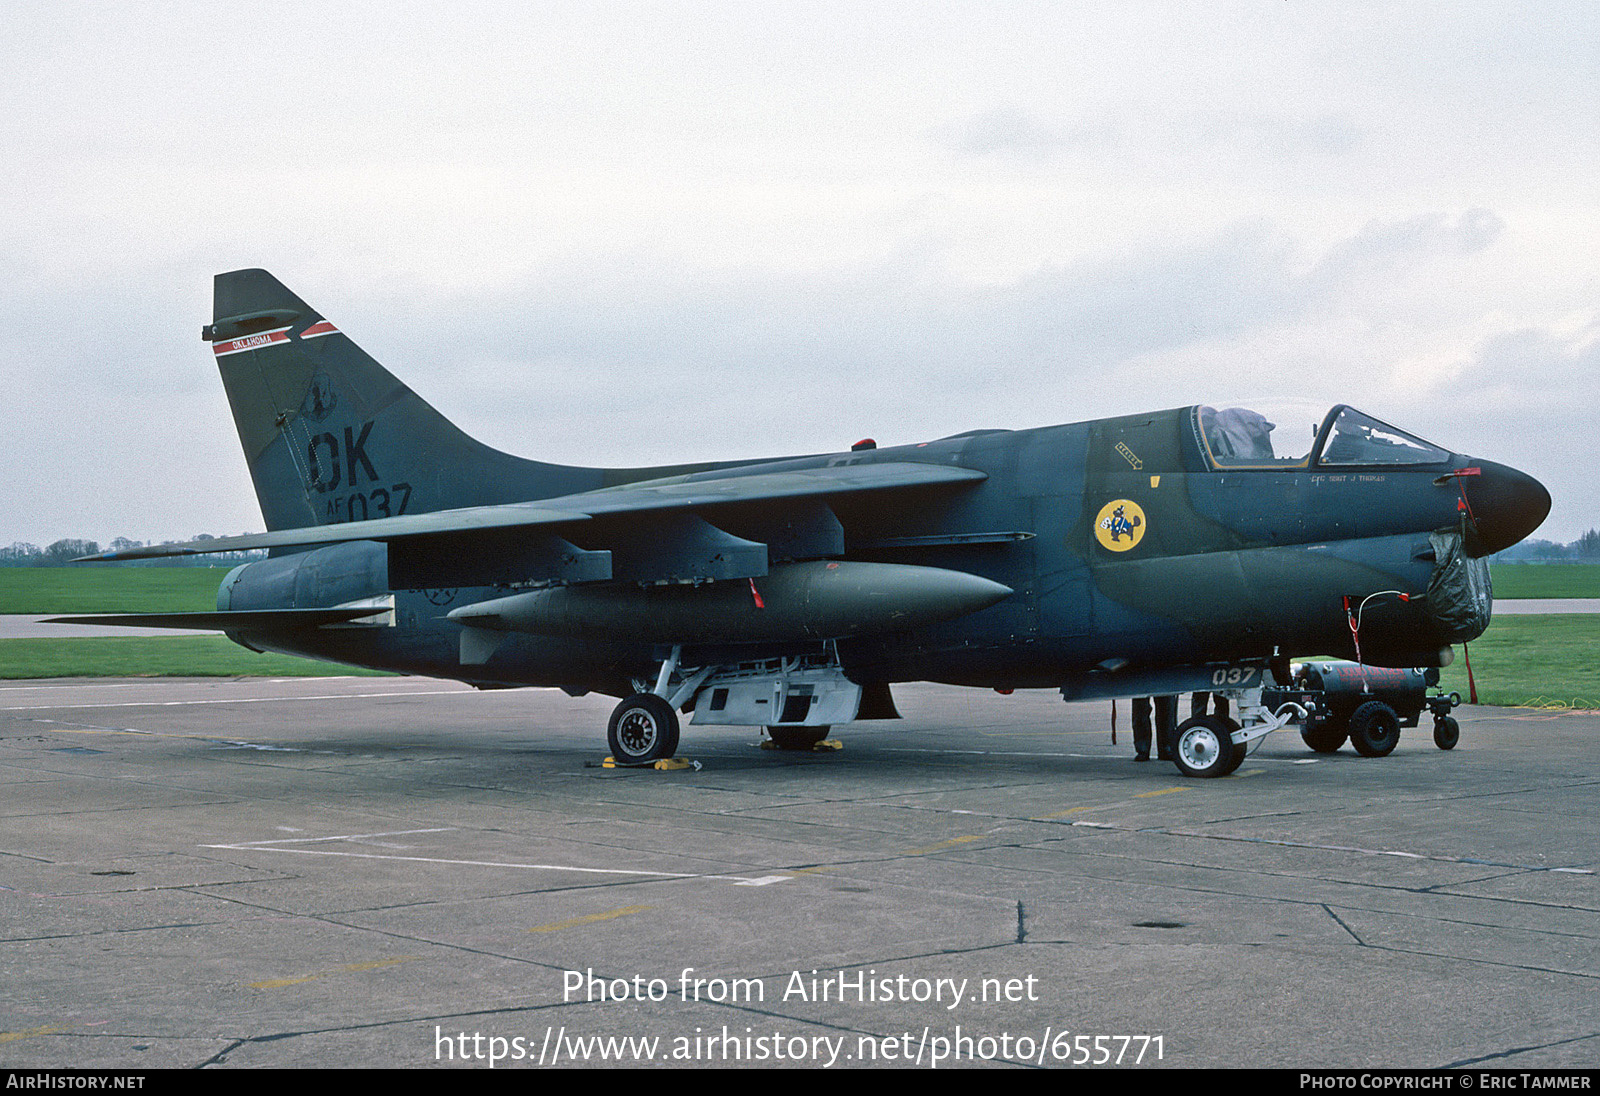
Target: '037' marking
pixel 381 502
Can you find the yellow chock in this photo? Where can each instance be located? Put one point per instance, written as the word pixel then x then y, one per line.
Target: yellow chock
pixel 667 764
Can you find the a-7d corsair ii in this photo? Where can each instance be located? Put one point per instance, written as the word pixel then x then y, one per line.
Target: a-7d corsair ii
pixel 1191 549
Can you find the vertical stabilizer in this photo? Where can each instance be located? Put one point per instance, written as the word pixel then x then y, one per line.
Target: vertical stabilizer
pixel 332 436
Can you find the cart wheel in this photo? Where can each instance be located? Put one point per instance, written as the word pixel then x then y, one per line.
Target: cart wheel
pixel 1446 732
pixel 1322 734
pixel 1374 729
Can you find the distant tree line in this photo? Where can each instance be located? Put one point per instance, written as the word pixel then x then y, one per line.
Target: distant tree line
pixel 63 552
pixel 1586 549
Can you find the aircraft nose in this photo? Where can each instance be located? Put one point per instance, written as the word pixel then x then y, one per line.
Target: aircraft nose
pixel 1506 505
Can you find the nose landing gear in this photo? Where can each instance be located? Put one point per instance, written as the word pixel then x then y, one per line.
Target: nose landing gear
pixel 1204 746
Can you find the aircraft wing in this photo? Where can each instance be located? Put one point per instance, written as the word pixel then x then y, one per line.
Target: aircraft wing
pixel 697 491
pixel 710 489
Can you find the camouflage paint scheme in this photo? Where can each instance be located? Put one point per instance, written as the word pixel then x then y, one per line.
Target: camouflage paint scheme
pixel 1105 558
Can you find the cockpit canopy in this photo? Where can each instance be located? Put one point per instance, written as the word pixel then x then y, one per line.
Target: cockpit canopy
pixel 1295 434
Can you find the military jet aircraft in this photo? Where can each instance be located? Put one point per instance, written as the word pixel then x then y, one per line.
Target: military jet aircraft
pixel 1199 548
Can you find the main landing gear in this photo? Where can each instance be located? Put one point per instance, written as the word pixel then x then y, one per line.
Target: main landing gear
pixel 644 727
pixel 797 738
pixel 798 698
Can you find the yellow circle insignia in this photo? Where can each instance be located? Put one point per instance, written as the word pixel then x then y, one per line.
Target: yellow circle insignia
pixel 1120 525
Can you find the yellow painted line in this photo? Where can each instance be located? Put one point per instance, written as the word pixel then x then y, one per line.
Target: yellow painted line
pixel 810 871
pixel 950 844
pixel 1163 791
pixel 1252 772
pixel 351 968
pixel 591 919
pixel 47 1029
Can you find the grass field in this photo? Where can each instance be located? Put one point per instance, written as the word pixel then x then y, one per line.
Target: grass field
pixel 1520 580
pixel 108 589
pixel 1532 661
pixel 160 656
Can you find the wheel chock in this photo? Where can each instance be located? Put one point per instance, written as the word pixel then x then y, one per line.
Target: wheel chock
pixel 816 747
pixel 666 764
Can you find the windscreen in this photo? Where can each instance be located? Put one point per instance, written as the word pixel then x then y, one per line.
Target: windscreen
pixel 1361 439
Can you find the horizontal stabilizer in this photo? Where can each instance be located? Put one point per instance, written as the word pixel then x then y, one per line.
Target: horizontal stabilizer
pixel 248 620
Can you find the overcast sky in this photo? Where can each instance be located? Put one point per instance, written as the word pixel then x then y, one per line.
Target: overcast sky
pixel 636 233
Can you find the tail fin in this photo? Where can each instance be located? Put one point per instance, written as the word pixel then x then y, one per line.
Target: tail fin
pixel 332 436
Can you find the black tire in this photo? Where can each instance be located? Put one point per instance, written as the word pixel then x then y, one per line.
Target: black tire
pixel 1203 746
pixel 1446 732
pixel 1374 729
pixel 643 728
pixel 1323 735
pixel 797 738
pixel 1240 752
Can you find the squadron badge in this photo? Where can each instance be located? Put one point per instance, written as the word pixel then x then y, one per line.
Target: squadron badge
pixel 1119 525
pixel 320 399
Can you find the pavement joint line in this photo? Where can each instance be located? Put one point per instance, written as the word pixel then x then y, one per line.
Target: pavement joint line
pixel 1341 923
pixel 1436 857
pixel 1510 1051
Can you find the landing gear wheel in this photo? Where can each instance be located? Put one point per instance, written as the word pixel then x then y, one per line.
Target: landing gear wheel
pixel 643 728
pixel 797 738
pixel 1203 746
pixel 1323 734
pixel 1374 729
pixel 1446 732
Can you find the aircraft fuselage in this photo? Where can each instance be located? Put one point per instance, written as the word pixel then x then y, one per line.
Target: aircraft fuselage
pixel 1207 567
pixel 1187 549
